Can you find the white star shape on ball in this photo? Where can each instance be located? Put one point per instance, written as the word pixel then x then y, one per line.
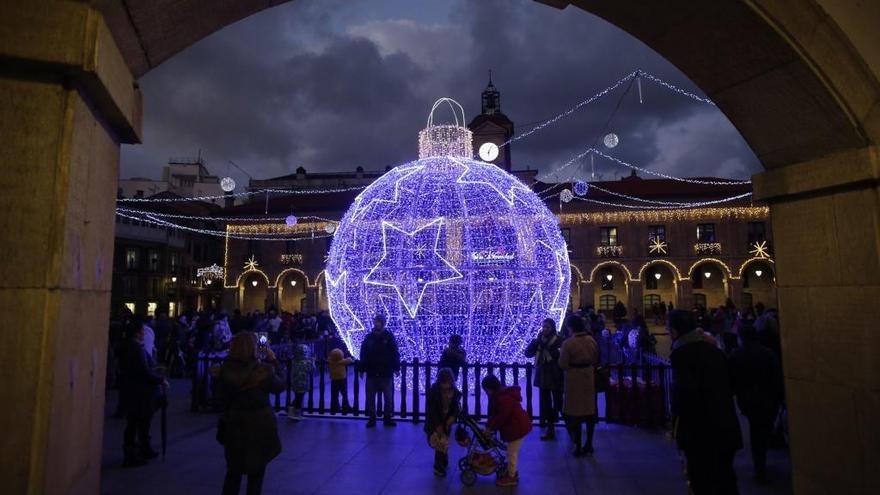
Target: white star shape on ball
pixel 405 272
pixel 509 195
pixel 339 303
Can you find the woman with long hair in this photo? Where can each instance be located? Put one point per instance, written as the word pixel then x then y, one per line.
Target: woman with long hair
pixel 248 429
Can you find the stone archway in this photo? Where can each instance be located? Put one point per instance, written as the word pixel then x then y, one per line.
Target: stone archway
pixel 292 285
pixel 798 79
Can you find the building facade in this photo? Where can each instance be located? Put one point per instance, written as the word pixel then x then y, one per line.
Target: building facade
pixel 186 177
pixel 159 269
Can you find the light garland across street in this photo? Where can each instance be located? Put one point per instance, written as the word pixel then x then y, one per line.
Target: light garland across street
pixel 217 233
pixel 636 74
pixel 696 204
pixel 659 216
pixel 242 194
pixel 220 219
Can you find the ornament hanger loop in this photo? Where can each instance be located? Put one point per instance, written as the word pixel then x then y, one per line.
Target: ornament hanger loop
pixel 452 105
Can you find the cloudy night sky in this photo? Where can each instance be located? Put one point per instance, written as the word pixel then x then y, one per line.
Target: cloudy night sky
pixel 333 84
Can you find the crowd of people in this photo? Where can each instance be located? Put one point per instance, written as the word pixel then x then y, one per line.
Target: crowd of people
pixel 721 359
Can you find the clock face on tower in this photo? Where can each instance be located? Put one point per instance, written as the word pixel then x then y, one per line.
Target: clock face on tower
pixel 488 152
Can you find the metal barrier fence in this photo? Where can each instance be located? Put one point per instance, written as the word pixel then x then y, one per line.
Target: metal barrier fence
pixel 639 393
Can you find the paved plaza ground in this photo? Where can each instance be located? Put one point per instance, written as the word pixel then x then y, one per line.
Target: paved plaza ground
pixel 324 456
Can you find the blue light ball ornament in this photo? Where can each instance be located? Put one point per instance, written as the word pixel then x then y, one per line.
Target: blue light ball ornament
pixel 291 220
pixel 581 188
pixel 448 245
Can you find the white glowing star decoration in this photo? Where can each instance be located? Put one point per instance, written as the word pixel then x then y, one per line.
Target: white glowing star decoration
pixel 759 249
pixel 566 196
pixel 657 246
pixel 227 184
pixel 610 140
pixel 447 244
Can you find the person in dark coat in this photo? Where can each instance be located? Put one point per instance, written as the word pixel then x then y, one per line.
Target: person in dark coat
pixel 250 432
pixel 548 375
pixel 138 395
pixel 454 356
pixel 441 410
pixel 379 360
pixel 706 426
pixel 758 385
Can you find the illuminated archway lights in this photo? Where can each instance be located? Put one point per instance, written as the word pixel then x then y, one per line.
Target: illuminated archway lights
pixel 445 245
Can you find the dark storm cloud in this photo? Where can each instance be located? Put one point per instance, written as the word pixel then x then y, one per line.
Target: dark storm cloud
pixel 330 88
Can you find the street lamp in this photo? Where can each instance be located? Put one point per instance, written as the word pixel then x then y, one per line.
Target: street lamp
pixel 293 283
pixel 657 275
pixel 173 280
pixel 707 274
pixel 254 283
pixel 758 272
pixel 609 277
pixel 208 281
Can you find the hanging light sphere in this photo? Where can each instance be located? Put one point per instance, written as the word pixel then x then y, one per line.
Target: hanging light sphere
pixel 254 283
pixel 420 244
pixel 290 220
pixel 581 188
pixel 293 283
pixel 657 275
pixel 445 245
pixel 609 277
pixel 566 195
pixel 759 272
pixel 707 274
pixel 227 184
pixel 330 228
pixel 610 140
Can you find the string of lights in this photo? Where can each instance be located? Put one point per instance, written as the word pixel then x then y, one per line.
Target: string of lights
pixel 667 176
pixel 696 204
pixel 222 219
pixel 660 216
pixel 217 233
pixel 670 203
pixel 636 74
pixel 672 87
pixel 242 194
pixel 573 109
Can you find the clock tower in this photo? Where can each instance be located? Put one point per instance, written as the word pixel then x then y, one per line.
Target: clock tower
pixel 492 129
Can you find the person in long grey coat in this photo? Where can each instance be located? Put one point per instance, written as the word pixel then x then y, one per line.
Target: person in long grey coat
pixel 250 432
pixel 578 358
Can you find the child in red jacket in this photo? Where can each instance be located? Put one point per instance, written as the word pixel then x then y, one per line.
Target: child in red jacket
pixel 507 417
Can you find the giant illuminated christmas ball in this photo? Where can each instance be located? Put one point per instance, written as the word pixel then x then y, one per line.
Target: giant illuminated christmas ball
pixel 448 245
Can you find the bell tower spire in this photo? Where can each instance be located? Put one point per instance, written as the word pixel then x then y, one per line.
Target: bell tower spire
pixel 491 98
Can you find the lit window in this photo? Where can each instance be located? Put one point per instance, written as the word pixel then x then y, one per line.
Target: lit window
pixel 706 232
pixel 131 259
pixel 607 302
pixel 608 236
pixel 130 306
pixel 151 309
pixel 657 232
pixel 154 260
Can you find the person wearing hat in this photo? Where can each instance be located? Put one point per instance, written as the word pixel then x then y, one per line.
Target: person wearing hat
pixel 380 361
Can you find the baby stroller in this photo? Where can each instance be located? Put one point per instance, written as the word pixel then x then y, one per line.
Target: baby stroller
pixel 484 453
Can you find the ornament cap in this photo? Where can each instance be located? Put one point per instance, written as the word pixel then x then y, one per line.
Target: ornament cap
pixel 447 139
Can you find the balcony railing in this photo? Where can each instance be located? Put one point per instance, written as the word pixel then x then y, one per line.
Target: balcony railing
pixel 707 248
pixel 609 251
